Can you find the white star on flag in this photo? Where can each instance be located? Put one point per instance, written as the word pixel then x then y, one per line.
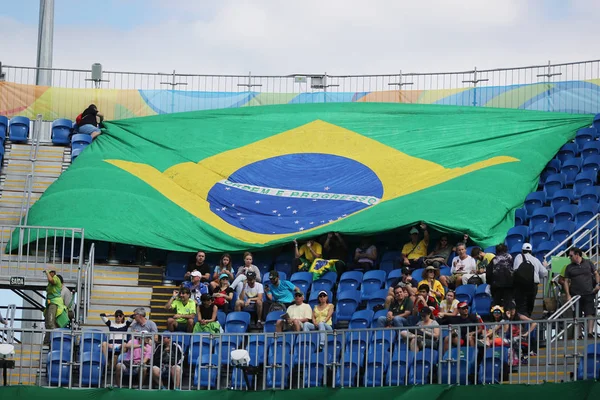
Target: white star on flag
pixel 288 207
pixel 326 188
pixel 257 201
pixel 223 208
pixel 311 223
pixel 227 188
pixel 322 221
pixel 239 214
pixel 295 212
pixel 274 211
pixel 242 218
pixel 296 222
pixel 279 215
pixel 330 220
pixel 344 215
pixel 301 228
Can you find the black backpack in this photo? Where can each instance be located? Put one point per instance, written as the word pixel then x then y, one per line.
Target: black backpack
pixel 501 269
pixel 523 276
pixel 277 307
pixel 475 280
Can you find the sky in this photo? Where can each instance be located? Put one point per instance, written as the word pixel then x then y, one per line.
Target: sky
pixel 303 37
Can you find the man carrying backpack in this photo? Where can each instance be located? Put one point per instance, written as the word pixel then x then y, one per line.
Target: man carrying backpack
pixel 528 274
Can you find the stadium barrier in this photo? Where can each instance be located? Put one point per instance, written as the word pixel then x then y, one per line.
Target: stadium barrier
pixel 470 354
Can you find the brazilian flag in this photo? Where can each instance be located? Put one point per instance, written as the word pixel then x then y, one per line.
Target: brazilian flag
pixel 253 177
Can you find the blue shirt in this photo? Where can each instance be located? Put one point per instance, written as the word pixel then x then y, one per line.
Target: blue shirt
pixel 283 293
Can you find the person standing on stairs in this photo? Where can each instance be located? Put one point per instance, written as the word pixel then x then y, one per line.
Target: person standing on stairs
pixel 582 279
pixel 528 273
pixel 55 307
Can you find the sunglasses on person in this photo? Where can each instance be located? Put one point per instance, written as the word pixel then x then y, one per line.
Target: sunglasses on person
pixel 322 295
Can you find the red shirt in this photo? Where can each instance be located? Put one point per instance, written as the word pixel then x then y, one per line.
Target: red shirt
pixel 431 303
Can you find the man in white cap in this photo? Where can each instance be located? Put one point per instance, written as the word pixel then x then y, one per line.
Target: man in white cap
pixel 528 273
pixel 197 288
pixel 413 251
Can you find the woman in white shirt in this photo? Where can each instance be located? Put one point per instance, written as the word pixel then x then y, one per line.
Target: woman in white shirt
pixel 240 276
pixel 449 306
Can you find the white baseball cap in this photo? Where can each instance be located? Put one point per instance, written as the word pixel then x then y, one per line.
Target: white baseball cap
pixel 527 247
pixel 414 230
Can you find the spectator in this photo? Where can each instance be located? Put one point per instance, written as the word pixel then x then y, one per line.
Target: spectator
pixel 279 291
pixel 449 306
pixel 415 250
pixel 207 316
pixel 482 260
pixel 240 276
pixel 582 279
pixel 306 254
pixel 461 264
pixel 296 315
pixel 468 334
pixel 398 311
pixel 135 355
pixel 500 276
pixel 201 266
pixel 89 121
pixel 224 267
pixel 335 248
pixel 427 335
pixel 196 287
pixel 185 311
pixel 523 342
pixel 54 304
pixel 439 256
pixel 430 277
pixel 321 318
pixel 405 281
pixel 141 323
pixel 365 256
pixel 425 300
pixel 528 274
pixel 223 294
pixel 118 332
pixel 251 298
pixel 67 298
pixel 495 334
pixel 167 361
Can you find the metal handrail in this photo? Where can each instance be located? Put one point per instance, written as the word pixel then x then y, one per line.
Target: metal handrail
pixel 565 307
pixel 578 234
pixel 89 283
pixel 33 153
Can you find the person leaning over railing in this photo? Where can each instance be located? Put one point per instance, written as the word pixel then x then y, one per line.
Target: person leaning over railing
pixel 321 318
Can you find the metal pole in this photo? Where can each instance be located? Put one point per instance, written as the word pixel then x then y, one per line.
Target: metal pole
pixel 548 77
pixel 45 43
pixel 475 81
pixel 400 84
pixel 173 84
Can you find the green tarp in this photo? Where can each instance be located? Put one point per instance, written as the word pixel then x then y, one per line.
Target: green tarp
pixel 581 390
pixel 233 180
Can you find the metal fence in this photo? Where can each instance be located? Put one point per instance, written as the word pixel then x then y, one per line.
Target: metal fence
pixel 171 92
pixel 466 354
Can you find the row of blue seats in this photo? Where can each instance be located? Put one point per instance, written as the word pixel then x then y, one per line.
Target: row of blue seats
pixel 558 181
pixel 589 196
pixel 543 233
pixel 17 130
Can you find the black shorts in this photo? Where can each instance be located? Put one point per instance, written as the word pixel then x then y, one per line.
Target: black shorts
pixel 586 305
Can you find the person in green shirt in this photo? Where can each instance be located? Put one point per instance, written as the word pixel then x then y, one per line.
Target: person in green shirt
pixel 54 304
pixel 185 311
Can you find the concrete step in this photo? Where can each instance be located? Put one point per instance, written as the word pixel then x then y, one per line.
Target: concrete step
pixel 12 199
pixel 17 183
pixel 10 216
pixel 44 153
pixel 43 168
pixel 119 295
pixel 116 275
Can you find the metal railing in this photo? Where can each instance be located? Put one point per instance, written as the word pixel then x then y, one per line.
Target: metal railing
pixel 464 354
pixel 88 284
pixel 533 87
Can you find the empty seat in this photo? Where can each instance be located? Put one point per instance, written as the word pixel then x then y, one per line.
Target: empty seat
pixel 571 168
pixel 205 374
pixel 420 371
pixel 589 366
pixel 565 213
pixel 583 180
pixel 553 167
pixel 533 201
pixel 91 368
pixel 58 368
pixel 271 320
pixel 568 150
pixel 494 365
pixel 347 303
pixel 540 215
pixel 347 373
pixel 3 128
pixel 596 122
pixel 389 260
pixel 176 266
pixel 350 280
pixel 466 293
pixel 200 345
pixel 517 235
pixel 321 284
pixel 302 280
pixel 483 300
pixel 553 183
pixel 540 233
pixel 585 135
pixel 361 319
pixel 586 212
pixel 375 298
pixel 305 349
pixel 591 163
pixel 517 248
pixel 590 195
pixel 376 369
pixel 520 216
pixel 237 322
pixel 18 129
pixel 563 230
pixel 398 371
pixel 561 198
pixel 61 129
pixel 545 247
pixel 372 281
pixel 590 149
pixel 256 348
pixel 317 366
pixel 458 365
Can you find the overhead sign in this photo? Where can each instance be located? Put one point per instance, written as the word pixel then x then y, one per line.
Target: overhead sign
pixel 17 281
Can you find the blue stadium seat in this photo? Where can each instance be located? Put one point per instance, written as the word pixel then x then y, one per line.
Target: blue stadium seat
pixel 225 345
pixel 389 260
pixel 61 340
pixel 540 233
pixel 317 366
pixel 376 369
pixel 238 382
pixel 553 167
pixel 565 213
pixel 585 135
pixel 393 275
pixel 321 284
pixel 313 299
pixel 520 217
pixel 585 212
pixel 350 280
pixel 200 345
pixel 279 357
pixel 61 129
pixel 447 271
pixel 302 280
pixel 305 349
pixel 458 366
pixel 586 240
pixel 466 293
pixel 237 322
pixel 330 277
pixel 398 371
pixel 590 149
pixel 544 248
pixel 492 366
pixel 3 129
pixel 490 249
pixel 283 268
pixel 515 249
pixel 58 368
pixel 271 320
pixel 385 338
pixel 78 143
pixel 540 215
pixel 590 195
pixel 596 123
pixel 561 198
pixel 18 129
pixel 361 319
pixel 176 266
pixel 562 230
pixel 553 183
pixel 583 180
pixel 221 317
pixel 571 168
pixel 517 235
pixel 380 313
pixel 422 367
pixel 264 262
pixel 256 349
pixel 375 298
pixel 91 340
pixel 347 303
pixel 483 300
pixel 590 368
pixel 533 201
pixel 205 375
pixel 91 368
pixel 352 363
pixel 126 253
pixel 567 151
pixel 591 163
pixel 372 281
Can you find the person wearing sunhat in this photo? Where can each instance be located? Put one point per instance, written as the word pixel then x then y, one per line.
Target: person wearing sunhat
pixel 413 251
pixel 223 294
pixel 430 277
pixel 321 318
